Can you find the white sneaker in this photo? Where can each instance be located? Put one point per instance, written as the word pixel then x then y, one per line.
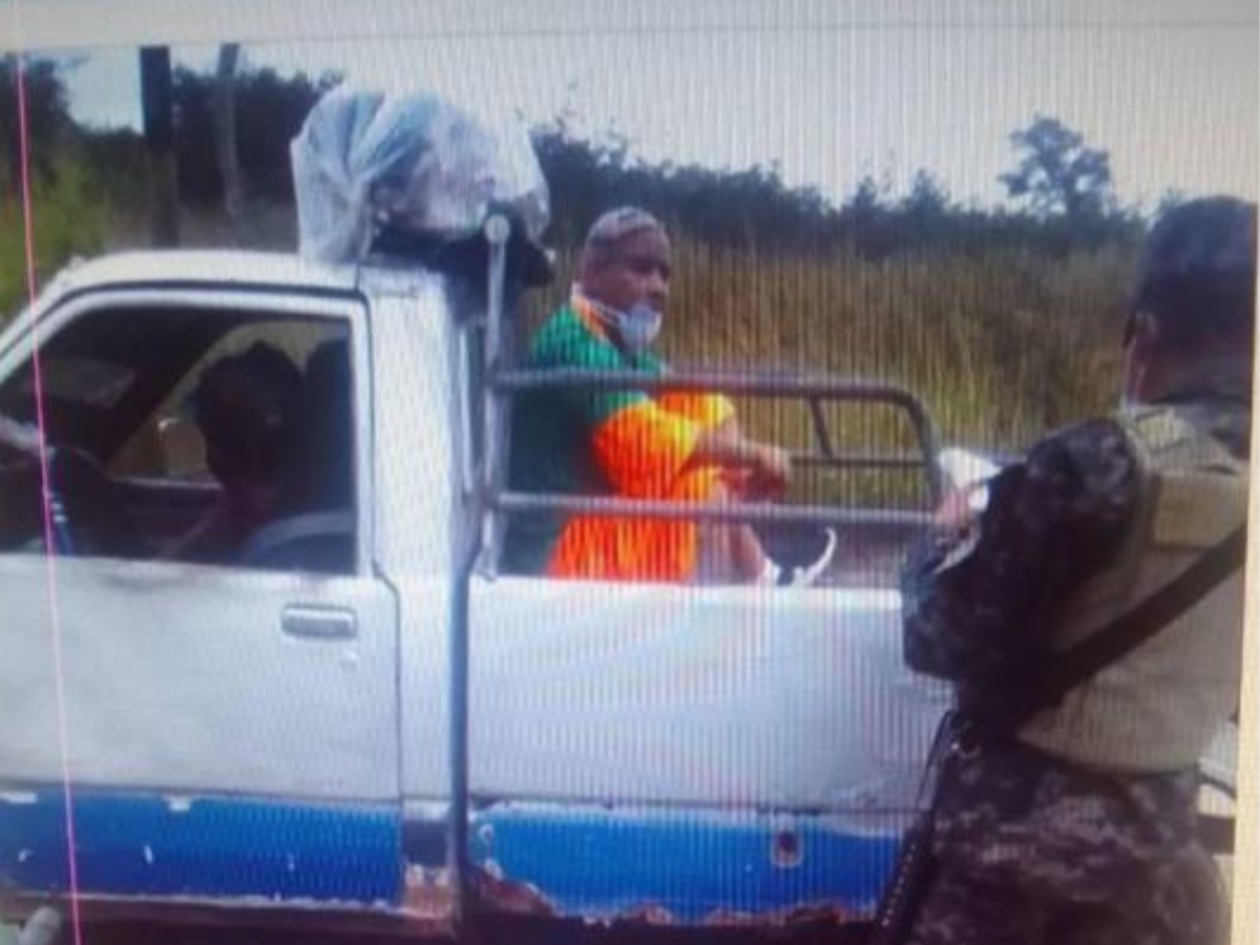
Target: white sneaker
pixel 802 575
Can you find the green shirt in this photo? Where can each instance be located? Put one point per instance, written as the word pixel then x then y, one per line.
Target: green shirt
pixel 553 431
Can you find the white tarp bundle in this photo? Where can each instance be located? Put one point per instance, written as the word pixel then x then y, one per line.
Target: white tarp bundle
pixel 364 160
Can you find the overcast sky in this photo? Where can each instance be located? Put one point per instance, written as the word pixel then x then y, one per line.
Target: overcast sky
pixel 1170 89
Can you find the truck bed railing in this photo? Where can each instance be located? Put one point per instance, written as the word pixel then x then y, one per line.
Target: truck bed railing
pixel 758 514
pixel 815 391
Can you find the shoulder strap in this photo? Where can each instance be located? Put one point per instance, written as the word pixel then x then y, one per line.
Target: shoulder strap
pixel 1134 627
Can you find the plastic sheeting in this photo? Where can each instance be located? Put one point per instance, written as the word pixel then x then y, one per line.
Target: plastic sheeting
pixel 364 160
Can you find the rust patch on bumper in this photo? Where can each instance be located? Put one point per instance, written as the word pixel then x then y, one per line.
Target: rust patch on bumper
pixel 511 898
pixel 508 898
pixel 522 869
pixel 819 914
pixel 429 900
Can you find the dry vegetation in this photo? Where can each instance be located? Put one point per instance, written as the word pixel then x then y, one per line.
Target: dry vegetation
pixel 1001 347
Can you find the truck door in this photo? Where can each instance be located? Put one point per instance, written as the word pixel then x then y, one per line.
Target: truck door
pixel 198 690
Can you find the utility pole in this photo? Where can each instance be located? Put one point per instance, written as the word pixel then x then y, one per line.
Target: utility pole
pixel 159 139
pixel 224 111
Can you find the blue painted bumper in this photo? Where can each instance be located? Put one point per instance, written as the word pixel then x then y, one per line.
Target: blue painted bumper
pixel 218 848
pixel 700 866
pixel 601 863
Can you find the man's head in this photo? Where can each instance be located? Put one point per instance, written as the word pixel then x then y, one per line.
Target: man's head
pixel 1192 321
pixel 247 407
pixel 625 261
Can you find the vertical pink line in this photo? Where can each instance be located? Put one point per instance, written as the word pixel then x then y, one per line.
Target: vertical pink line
pixel 50 557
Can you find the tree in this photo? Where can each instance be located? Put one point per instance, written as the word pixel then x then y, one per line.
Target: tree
pixel 271 106
pixel 865 200
pixel 1170 199
pixel 1057 174
pixel 864 220
pixel 47 118
pixel 223 110
pixel 156 101
pixel 587 176
pixel 927 198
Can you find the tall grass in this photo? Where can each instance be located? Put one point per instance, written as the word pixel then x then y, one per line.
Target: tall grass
pixel 1001 347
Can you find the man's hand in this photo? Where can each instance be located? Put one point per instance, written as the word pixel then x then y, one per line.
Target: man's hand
pixel 955 511
pixel 769 473
pixel 756 471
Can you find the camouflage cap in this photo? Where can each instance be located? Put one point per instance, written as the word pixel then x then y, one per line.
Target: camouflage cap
pixel 1198 266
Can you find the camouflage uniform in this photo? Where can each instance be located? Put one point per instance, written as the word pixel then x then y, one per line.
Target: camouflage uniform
pixel 1050 844
pixel 1033 848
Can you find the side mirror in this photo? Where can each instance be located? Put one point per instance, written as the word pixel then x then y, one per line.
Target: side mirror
pixel 183 448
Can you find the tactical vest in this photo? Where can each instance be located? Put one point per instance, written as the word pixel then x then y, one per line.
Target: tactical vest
pixel 1157 708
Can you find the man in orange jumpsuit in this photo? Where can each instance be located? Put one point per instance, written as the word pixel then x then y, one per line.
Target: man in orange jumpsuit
pixel 680 447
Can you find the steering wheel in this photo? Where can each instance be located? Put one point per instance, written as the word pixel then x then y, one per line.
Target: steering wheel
pixel 87 508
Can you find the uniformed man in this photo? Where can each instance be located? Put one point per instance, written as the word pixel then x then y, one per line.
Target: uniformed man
pixel 1080 825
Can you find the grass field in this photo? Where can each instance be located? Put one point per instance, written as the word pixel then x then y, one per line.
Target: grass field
pixel 1001 347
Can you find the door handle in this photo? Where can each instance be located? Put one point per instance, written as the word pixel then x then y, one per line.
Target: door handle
pixel 319 623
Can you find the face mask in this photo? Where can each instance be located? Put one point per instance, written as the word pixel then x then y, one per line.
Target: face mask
pixel 637 326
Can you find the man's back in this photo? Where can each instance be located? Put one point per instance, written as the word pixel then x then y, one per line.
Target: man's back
pixel 1158 708
pixel 1097 518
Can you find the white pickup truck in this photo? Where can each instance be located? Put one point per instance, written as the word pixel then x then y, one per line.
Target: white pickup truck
pixel 360 722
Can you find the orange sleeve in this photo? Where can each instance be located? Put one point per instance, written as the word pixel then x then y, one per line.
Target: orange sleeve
pixel 643 448
pixel 706 410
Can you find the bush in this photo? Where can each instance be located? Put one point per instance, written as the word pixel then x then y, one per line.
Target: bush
pixel 70 214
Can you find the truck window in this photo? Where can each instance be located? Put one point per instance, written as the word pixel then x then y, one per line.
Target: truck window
pixel 197 436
